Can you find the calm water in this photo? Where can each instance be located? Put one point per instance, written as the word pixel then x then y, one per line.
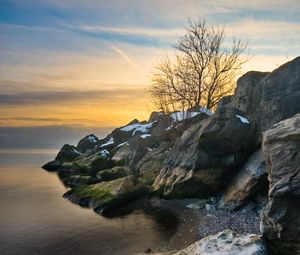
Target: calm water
pixel 35 219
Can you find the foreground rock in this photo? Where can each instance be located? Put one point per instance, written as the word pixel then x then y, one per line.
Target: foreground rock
pixel 250 181
pixel 280 220
pixel 107 195
pixel 224 243
pixel 206 154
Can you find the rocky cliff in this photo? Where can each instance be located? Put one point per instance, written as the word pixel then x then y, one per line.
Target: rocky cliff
pixel 201 154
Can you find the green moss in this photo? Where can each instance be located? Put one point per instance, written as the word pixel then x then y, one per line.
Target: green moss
pixel 93 192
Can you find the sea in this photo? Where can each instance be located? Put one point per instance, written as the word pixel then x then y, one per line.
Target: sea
pixel 36 220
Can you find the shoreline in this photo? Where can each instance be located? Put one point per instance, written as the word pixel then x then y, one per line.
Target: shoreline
pixel 185 225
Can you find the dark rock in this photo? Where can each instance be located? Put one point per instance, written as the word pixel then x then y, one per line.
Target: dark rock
pixel 122 152
pixel 67 153
pixel 78 180
pixel 149 166
pixel 52 165
pixel 156 116
pixel 87 143
pixel 111 174
pixel 267 98
pixel 280 219
pixel 252 179
pixel 139 147
pixel 93 163
pixel 208 153
pixel 123 134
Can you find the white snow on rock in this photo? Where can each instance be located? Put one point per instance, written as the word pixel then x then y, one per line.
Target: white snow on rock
pixel 121 144
pixel 143 128
pixel 92 139
pixel 109 142
pixel 145 136
pixel 179 116
pixel 206 111
pixel 104 153
pixel 243 119
pixel 77 152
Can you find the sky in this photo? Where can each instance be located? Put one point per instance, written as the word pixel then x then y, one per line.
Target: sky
pixel 69 68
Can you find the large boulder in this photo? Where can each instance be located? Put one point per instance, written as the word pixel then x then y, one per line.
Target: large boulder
pixel 224 243
pixel 122 152
pixel 249 182
pixel 105 196
pixel 93 163
pixel 67 153
pixel 206 155
pixel 150 165
pixel 139 147
pixel 267 98
pixel 87 143
pixel 280 219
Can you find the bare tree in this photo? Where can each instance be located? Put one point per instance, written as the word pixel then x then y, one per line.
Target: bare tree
pixel 203 71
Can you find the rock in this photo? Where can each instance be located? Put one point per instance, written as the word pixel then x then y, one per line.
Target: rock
pixel 267 98
pixel 106 196
pixel 122 152
pixel 53 165
pixel 123 134
pixel 138 147
pixel 67 153
pixel 107 143
pixel 87 143
pixel 224 243
pixel 244 96
pixel 150 165
pixel 93 163
pixel 280 219
pixel 156 116
pixel 207 154
pixel 252 179
pixel 77 180
pixel 111 174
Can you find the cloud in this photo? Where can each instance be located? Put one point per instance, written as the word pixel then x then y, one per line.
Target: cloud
pixel 125 57
pixel 63 97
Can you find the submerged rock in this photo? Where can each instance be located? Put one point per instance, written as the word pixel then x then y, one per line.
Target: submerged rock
pixel 107 195
pixel 224 243
pixel 280 219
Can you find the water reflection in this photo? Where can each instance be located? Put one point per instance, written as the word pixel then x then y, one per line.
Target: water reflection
pixel 35 219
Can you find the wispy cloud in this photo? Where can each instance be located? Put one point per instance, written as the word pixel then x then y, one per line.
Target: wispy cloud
pixel 66 97
pixel 125 57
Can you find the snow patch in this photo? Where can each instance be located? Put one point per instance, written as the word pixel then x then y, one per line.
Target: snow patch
pixel 104 153
pixel 92 139
pixel 243 119
pixel 109 142
pixel 143 128
pixel 121 144
pixel 179 116
pixel 145 136
pixel 76 151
